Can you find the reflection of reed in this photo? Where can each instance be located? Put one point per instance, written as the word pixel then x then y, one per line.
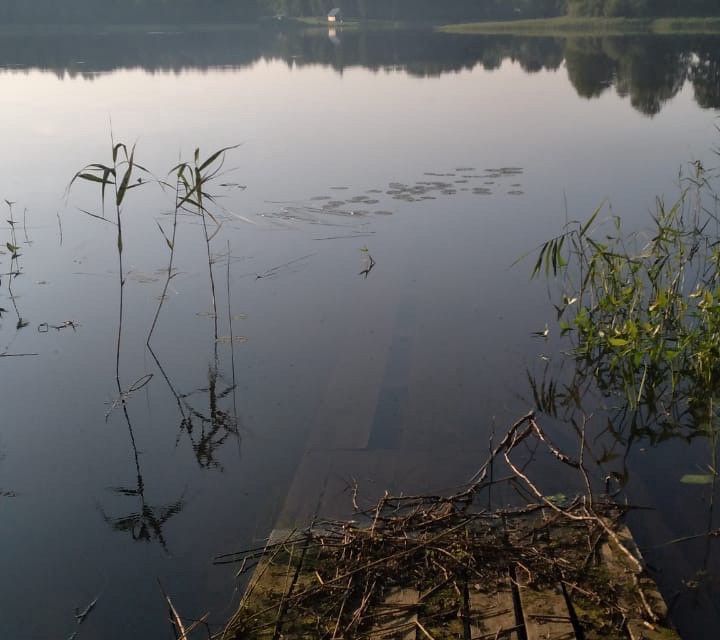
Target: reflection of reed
pixel 147 522
pixel 208 430
pixel 5 493
pixel 14 269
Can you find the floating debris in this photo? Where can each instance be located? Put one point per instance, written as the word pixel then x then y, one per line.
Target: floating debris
pixel 420 191
pixel 506 171
pixel 231 339
pixel 352 236
pixel 430 566
pixel 141 278
pixel 292 264
pixel 368 263
pixel 44 327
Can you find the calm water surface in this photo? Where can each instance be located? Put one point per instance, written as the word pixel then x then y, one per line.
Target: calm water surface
pixel 444 158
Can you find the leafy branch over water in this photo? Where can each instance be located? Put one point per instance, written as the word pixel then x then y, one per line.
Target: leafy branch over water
pixel 642 311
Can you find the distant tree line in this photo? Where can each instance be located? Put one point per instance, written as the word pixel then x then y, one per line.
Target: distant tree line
pixel 648 71
pixel 423 9
pixel 643 8
pixel 131 11
pixel 208 11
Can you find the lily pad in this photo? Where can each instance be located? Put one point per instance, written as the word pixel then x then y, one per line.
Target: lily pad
pixel 697 478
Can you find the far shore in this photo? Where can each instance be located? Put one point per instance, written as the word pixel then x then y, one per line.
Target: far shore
pixel 565 26
pixel 562 27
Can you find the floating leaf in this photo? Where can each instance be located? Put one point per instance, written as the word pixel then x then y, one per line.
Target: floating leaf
pixel 558 499
pixel 697 478
pixel 229 340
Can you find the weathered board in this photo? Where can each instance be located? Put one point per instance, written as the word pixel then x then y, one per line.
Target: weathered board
pixel 512 607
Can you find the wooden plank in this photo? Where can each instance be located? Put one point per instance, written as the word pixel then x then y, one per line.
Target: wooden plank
pixel 323 484
pixel 640 630
pixel 396 616
pixel 488 611
pixel 595 625
pixel 346 437
pixel 345 415
pixel 492 613
pixel 638 593
pixel 588 616
pixel 274 580
pixel 545 614
pixel 648 587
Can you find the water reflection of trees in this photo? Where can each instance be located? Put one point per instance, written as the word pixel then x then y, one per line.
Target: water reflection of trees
pixel 648 70
pixel 705 74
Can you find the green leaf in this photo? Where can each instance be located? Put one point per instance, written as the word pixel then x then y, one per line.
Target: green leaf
pixel 215 156
pixel 591 219
pixel 91 178
pixel 538 264
pixel 167 240
pixel 697 478
pixel 117 148
pixel 123 185
pixel 558 499
pixel 618 342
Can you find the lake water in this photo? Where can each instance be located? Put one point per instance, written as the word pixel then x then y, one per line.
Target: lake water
pixel 444 158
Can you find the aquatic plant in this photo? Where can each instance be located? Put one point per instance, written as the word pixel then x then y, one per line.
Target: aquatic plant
pixel 192 181
pixel 120 174
pixel 640 312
